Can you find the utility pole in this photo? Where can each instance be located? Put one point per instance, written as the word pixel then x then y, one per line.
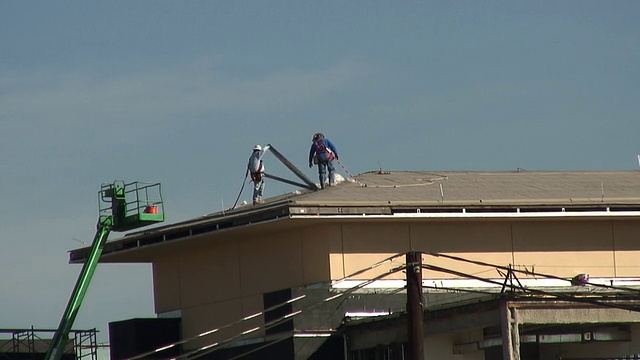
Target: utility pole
pixel 415 312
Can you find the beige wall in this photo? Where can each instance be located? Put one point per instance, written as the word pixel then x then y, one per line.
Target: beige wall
pixel 166 284
pixel 367 244
pixel 565 248
pixel 224 280
pixel 560 248
pixel 626 240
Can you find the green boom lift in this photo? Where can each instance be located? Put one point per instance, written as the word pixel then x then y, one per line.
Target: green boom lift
pixel 122 207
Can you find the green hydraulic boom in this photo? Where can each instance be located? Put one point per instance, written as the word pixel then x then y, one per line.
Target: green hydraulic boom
pixel 122 207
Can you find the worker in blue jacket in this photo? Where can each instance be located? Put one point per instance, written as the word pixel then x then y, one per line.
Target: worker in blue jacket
pixel 323 152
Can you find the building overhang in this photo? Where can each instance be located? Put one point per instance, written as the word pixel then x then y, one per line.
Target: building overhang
pixel 273 215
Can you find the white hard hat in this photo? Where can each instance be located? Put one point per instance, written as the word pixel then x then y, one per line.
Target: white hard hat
pixel 257 147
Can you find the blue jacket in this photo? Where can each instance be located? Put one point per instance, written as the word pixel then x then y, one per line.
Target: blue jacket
pixel 323 149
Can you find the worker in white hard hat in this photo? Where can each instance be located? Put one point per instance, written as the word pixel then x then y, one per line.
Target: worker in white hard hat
pixel 256 169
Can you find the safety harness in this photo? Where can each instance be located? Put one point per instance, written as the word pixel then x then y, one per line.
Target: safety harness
pixel 321 148
pixel 256 176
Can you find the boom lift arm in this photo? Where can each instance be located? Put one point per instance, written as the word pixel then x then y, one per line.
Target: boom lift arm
pixel 61 337
pixel 122 207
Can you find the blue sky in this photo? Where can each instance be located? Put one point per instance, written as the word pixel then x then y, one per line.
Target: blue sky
pixel 179 92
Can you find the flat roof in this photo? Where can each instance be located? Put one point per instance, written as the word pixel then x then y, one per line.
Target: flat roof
pixel 407 193
pixel 482 187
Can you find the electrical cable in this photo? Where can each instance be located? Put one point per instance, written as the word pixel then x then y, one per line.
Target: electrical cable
pixel 207 349
pixel 429 181
pixel 526 272
pixel 262 347
pixel 212 347
pixel 363 270
pixel 426 182
pixel 290 334
pixel 244 181
pixel 531 290
pixel 525 289
pixel 327 318
pixel 208 332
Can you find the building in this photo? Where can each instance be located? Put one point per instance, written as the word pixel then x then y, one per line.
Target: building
pixel 214 272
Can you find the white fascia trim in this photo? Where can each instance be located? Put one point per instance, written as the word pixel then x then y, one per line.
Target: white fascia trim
pixel 313 334
pixel 478 215
pixel 378 284
pixel 367 314
pixel 470 283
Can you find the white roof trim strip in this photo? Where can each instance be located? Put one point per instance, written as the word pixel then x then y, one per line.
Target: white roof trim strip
pixel 468 283
pixel 478 215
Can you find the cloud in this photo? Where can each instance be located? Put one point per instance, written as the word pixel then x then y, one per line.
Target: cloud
pixel 56 121
pixel 77 99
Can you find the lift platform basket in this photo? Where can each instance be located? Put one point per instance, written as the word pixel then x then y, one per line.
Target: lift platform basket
pixel 131 205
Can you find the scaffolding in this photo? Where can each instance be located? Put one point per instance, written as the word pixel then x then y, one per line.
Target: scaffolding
pixel 82 345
